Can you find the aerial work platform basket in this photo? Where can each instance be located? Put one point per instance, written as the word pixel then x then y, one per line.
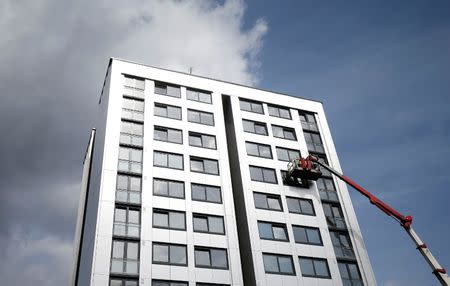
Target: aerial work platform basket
pixel 300 170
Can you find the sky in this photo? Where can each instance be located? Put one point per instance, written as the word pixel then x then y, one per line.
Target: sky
pixel 381 69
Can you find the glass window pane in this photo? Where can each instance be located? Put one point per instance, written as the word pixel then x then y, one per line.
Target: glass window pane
pixel 209 142
pixel 273 111
pixel 277 131
pixel 285 264
pixel 178 254
pixel 293 205
pixel 353 270
pixel 306 207
pixel 256 174
pixel 252 149
pixel 269 176
pixel 313 235
pixel 132 250
pixel 274 203
pixel 160 187
pixel 300 235
pixel 245 105
pixel 196 166
pixel 122 182
pixel 256 107
pixel 202 258
pixel 284 113
pixel 176 189
pixel 133 216
pixel 270 263
pixel 219 258
pixel 120 215
pixel 213 194
pixel 175 161
pixel 321 268
pixel 260 129
pixel 211 167
pixel 114 282
pixel 177 220
pixel 160 253
pixel 204 97
pixel 306 266
pixel 260 201
pixel 279 233
pixel 193 116
pixel 175 136
pixel 215 224
pixel 200 224
pixel 289 134
pixel 173 91
pixel 265 151
pixel 160 219
pixel 265 230
pixel 118 247
pixel 160 159
pixel 195 140
pixel 198 192
pixel 207 118
pixel 174 112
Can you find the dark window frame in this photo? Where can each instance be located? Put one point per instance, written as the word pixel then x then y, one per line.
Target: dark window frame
pixel 302 199
pixel 258 145
pixel 198 95
pixel 163 105
pixel 198 134
pixel 261 124
pixel 131 135
pixel 202 159
pixel 264 181
pixel 307 123
pixel 277 255
pixel 203 215
pixel 168 211
pixel 349 273
pixel 130 162
pixel 206 193
pixel 128 189
pixel 288 150
pixel 278 107
pixel 306 233
pixel 168 252
pixel 168 154
pixel 272 225
pixel 209 249
pixel 161 85
pixel 125 256
pixel 284 129
pixel 167 129
pixel 133 111
pixel 251 103
pixel 314 267
pixel 168 188
pixel 127 208
pixel 200 112
pixel 267 196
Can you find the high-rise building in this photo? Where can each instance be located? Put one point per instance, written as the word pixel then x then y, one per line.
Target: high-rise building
pixel 183 185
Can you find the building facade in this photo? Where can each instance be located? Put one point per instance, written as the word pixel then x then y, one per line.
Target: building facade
pixel 184 186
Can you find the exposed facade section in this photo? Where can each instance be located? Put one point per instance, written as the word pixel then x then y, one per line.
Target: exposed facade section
pixel 186 188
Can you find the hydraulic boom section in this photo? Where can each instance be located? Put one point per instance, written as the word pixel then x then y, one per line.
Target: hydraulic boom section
pixel 309 169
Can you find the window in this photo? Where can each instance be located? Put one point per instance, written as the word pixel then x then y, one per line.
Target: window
pixel 307 235
pixel 123 282
pixel 168 111
pixel 350 274
pixel 173 254
pixel 131 133
pixel 202 140
pixel 314 267
pixel 313 142
pixel 208 223
pixel 267 201
pixel 308 122
pixel 285 154
pixel 125 257
pixel 279 111
pixel 134 86
pixel 327 190
pixel 168 135
pixel 206 193
pixel 261 174
pixel 283 132
pixel 167 89
pixel 251 106
pixel 169 219
pixel 272 231
pixel 128 189
pixel 334 216
pixel 168 188
pixel 323 159
pixel 168 160
pixel 254 127
pixel 133 109
pixel 130 160
pixel 168 283
pixel 278 264
pixel 211 257
pixel 126 222
pixel 200 117
pixel 202 165
pixel 300 206
pixel 198 95
pixel 258 150
pixel 341 244
pixel 210 284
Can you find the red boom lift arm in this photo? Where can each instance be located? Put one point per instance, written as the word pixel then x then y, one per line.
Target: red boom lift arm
pixel 308 168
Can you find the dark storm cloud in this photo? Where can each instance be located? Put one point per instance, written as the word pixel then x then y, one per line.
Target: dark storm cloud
pixel 53 59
